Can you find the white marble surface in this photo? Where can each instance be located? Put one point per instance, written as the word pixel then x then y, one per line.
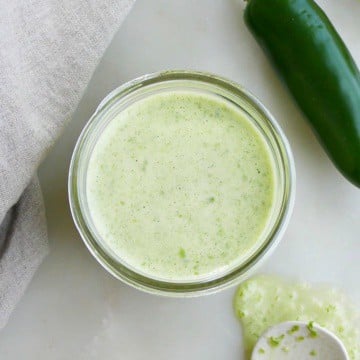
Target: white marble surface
pixel 74 310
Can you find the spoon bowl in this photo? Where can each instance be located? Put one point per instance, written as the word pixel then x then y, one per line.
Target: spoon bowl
pixel 298 340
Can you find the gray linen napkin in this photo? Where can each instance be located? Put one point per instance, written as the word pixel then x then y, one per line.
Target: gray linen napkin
pixel 48 52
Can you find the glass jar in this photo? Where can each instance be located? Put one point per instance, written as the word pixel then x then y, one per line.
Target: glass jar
pixel 205 83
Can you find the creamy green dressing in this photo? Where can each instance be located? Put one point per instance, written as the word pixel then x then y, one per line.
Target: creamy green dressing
pixel 180 185
pixel 264 301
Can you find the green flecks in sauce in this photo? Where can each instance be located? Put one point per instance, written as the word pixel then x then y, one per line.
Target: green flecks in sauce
pixel 261 351
pixel 312 331
pixel 294 329
pixel 275 341
pixel 164 175
pixel 313 353
pixel 182 253
pixel 264 301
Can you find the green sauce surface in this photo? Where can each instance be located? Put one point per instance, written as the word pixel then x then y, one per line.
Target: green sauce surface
pixel 181 185
pixel 264 301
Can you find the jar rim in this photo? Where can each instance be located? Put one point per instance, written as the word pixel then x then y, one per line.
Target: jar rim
pixel 169 288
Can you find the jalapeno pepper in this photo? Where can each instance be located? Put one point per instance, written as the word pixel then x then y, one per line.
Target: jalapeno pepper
pixel 318 70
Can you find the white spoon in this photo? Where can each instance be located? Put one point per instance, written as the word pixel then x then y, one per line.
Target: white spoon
pixel 296 340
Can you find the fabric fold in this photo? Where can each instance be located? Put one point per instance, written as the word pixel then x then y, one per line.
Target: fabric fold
pixel 48 53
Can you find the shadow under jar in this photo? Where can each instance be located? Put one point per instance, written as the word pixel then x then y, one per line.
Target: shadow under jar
pixel 181 183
